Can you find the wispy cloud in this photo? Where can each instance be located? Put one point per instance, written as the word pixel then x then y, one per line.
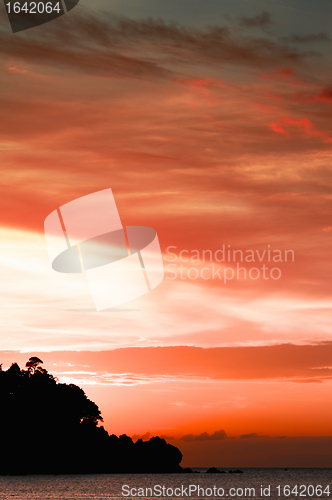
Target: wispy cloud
pixel 155 365
pixel 263 20
pixel 112 46
pixel 309 38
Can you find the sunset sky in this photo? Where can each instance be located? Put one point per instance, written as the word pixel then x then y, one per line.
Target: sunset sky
pixel 211 121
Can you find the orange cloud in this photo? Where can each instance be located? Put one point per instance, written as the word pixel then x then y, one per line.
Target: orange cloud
pixel 286 361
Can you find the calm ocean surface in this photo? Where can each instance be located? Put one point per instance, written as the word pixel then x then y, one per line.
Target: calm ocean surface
pixel 310 483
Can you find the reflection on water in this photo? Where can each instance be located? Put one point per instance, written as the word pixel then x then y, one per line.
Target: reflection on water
pixel 109 486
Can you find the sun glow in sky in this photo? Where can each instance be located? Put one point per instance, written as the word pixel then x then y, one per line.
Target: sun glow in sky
pixel 211 122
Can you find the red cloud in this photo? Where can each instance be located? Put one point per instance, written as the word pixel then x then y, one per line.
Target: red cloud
pixel 303 124
pixel 323 95
pixel 286 72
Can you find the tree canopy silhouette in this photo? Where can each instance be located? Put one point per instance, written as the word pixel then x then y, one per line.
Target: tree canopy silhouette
pixel 50 427
pixel 33 363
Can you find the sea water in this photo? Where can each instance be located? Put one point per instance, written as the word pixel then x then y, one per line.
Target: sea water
pixel 253 483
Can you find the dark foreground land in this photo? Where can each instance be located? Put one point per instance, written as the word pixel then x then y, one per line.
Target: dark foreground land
pixel 52 428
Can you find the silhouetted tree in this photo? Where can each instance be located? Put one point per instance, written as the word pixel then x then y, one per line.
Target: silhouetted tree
pixel 39 413
pixel 33 363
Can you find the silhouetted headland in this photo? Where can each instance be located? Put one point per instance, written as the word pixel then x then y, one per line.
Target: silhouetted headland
pixel 51 428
